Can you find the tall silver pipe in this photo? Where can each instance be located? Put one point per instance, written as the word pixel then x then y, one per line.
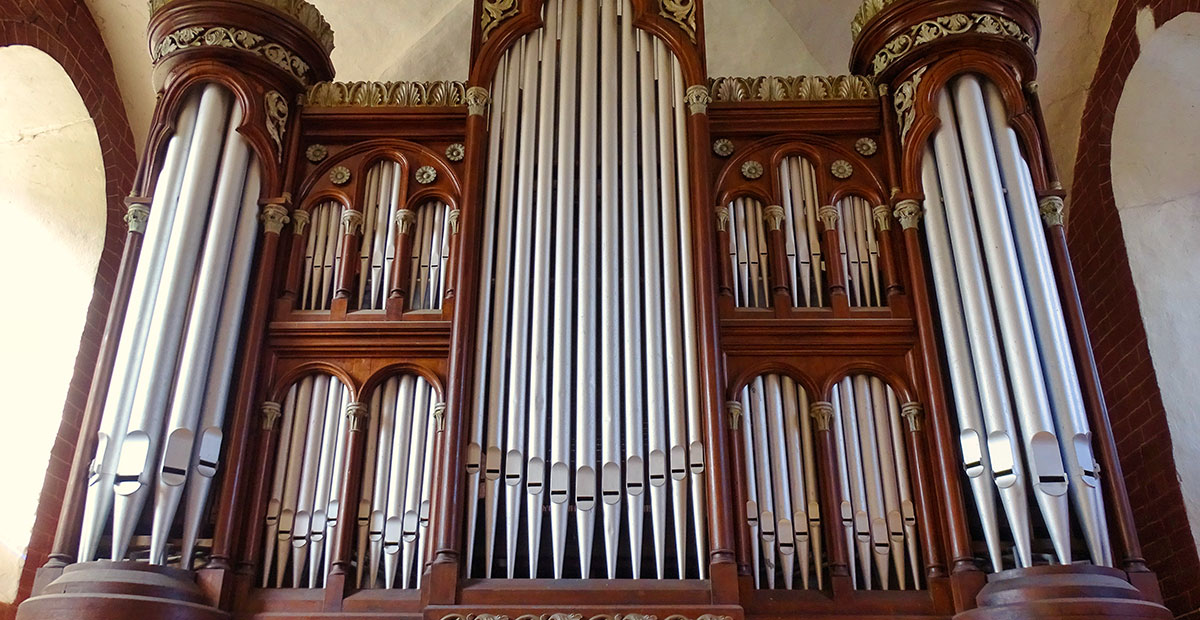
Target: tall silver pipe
pixel 1012 308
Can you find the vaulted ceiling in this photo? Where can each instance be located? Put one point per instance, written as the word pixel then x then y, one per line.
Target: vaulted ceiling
pixel 427 40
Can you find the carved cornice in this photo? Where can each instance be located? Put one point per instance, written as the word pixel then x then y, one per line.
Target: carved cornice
pixel 379 94
pixel 944 26
pixel 796 88
pixel 869 9
pixel 682 12
pixel 494 13
pixel 235 39
pixel 306 14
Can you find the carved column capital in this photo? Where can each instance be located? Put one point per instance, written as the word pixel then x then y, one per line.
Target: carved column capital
pixel 136 216
pixel 722 218
pixel 829 216
pixel 909 213
pixel 774 216
pixel 270 415
pixel 454 217
pixel 404 220
pixel 439 416
pixel 913 412
pixel 300 219
pixel 357 415
pixel 273 218
pixel 883 217
pixel 822 413
pixel 478 100
pixel 352 221
pixel 735 414
pixel 697 98
pixel 1052 208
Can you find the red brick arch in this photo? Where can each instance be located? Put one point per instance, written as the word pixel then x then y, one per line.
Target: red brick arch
pixel 1106 285
pixel 66 31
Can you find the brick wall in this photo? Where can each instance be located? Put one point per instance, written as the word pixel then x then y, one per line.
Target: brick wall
pixel 66 31
pixel 1115 323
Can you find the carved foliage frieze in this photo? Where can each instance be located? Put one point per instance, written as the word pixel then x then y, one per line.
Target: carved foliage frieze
pixel 798 88
pixel 944 26
pixel 300 10
pixel 233 38
pixel 376 94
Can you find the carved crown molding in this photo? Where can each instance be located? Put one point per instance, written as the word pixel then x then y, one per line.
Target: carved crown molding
pixel 682 12
pixel 494 13
pixel 304 13
pixel 943 26
pixel 236 39
pixel 796 88
pixel 871 8
pixel 380 94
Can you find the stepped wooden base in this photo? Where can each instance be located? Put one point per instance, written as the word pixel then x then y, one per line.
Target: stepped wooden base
pixel 120 591
pixel 1062 592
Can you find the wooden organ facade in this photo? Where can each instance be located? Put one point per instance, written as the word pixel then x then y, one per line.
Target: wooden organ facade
pixel 596 335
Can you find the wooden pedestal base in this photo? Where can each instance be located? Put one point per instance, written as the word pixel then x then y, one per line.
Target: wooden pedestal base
pixel 120 591
pixel 1066 592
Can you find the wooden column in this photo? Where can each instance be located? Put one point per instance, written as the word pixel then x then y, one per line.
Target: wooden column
pixel 777 254
pixel 1116 496
pixel 266 446
pixel 831 495
pixel 957 536
pixel 883 227
pixel 738 481
pixel 402 264
pixel 70 519
pixel 724 269
pixel 295 262
pixel 831 219
pixel 352 223
pixel 231 505
pixel 357 418
pixel 927 512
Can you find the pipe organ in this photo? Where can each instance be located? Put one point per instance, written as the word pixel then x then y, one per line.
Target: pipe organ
pixel 595 334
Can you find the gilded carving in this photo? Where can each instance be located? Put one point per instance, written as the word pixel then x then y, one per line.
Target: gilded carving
pixel 697 98
pixel 317 153
pixel 682 12
pixel 723 147
pixel 478 100
pixel 798 88
pixel 494 13
pixel 357 415
pixel 425 175
pixel 909 213
pixel 722 218
pixel 822 414
pixel 774 216
pixel 866 12
pixel 352 222
pixel 905 102
pixel 752 170
pixel 1052 208
pixel 277 117
pixel 912 412
pixel 300 219
pixel 454 215
pixel 829 216
pixel 340 175
pixel 299 10
pixel 944 26
pixel 735 414
pixel 404 219
pixel 439 416
pixel 274 217
pixel 456 152
pixel 866 146
pixel 270 415
pixel 136 216
pixel 841 169
pixel 883 217
pixel 379 94
pixel 233 38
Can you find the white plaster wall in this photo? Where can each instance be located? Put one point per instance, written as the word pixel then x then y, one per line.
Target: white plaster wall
pixel 53 209
pixel 1156 183
pixel 751 38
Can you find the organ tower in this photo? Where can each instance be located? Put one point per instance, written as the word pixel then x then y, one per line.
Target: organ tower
pixel 595 334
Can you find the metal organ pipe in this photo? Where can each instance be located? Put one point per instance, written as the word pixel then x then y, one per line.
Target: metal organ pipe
pixel 588 243
pixel 162 421
pixel 1057 362
pixel 975 170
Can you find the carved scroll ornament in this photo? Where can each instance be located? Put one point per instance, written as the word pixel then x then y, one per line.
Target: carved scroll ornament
pixel 236 39
pixel 494 13
pixel 946 25
pixel 682 12
pixel 299 10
